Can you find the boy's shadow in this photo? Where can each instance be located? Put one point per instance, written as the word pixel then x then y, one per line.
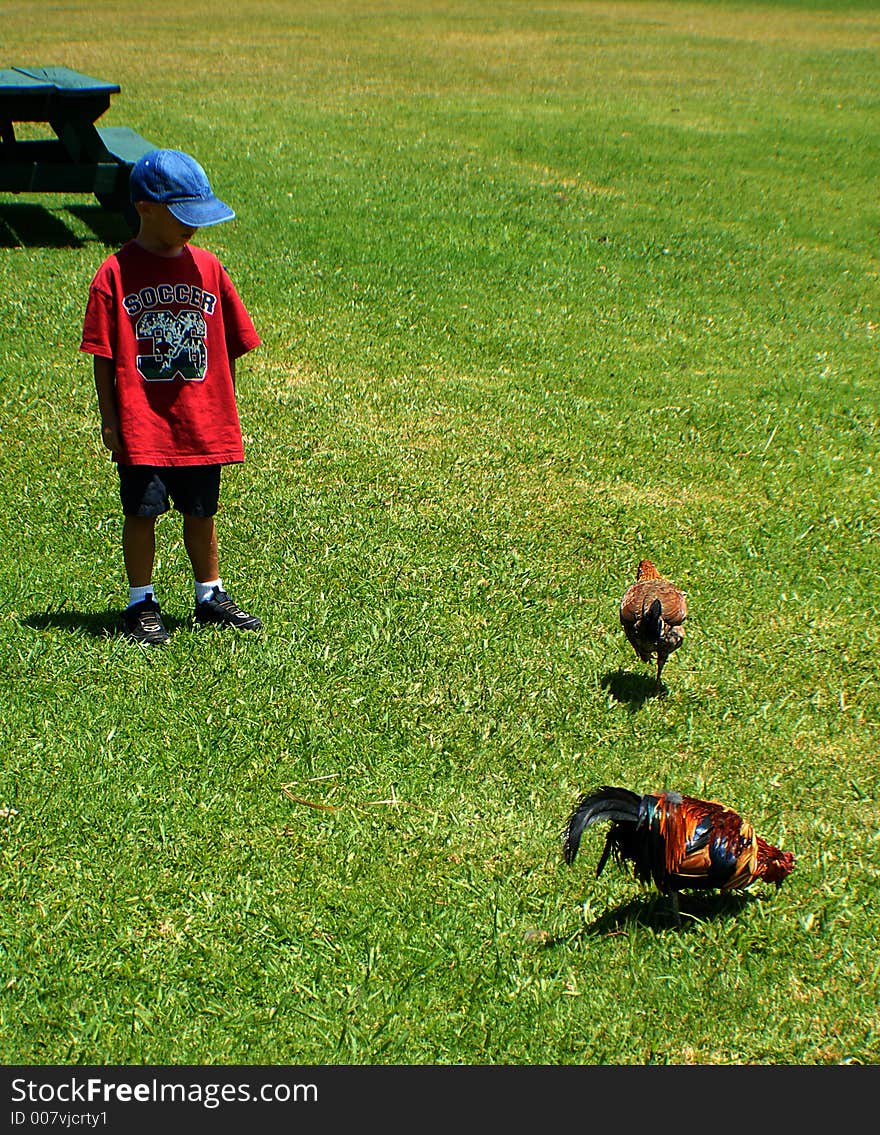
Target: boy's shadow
pixel 103 624
pixel 633 689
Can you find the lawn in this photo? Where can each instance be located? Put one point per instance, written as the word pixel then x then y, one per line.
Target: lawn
pixel 543 289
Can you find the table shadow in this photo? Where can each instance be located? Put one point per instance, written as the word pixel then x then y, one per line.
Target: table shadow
pixel 24 224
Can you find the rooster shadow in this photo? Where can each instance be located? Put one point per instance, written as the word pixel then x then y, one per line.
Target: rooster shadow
pixel 657 914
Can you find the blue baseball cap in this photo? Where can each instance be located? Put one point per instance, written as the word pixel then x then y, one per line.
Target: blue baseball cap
pixel 175 179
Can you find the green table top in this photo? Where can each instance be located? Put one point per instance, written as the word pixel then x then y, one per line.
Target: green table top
pixel 54 80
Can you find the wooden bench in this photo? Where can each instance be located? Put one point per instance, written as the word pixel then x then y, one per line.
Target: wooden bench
pixel 82 157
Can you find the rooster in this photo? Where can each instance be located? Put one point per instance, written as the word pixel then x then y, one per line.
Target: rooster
pixel 677 842
pixel 652 612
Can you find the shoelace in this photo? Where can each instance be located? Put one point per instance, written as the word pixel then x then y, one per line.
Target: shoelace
pixel 150 621
pixel 224 603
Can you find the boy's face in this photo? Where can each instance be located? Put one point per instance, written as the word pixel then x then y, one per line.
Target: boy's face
pixel 160 230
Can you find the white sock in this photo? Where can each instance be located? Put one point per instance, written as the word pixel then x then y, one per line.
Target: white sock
pixel 139 594
pixel 205 591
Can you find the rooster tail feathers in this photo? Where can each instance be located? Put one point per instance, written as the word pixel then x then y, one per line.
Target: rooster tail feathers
pixel 606 851
pixel 653 621
pixel 614 804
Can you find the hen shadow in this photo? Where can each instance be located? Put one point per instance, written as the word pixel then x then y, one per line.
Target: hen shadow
pixel 632 689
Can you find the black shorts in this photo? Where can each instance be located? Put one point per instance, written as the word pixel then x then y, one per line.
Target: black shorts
pixel 147 490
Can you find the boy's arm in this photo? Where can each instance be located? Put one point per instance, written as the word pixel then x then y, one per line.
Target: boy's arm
pixel 105 385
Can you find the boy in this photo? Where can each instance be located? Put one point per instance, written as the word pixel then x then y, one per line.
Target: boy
pixel 164 325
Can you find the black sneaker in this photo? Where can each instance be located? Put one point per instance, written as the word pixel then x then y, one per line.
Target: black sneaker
pixel 220 609
pixel 143 622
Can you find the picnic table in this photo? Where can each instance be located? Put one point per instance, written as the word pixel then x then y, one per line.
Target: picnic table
pixel 82 157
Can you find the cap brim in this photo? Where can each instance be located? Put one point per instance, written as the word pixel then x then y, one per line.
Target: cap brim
pixel 201 214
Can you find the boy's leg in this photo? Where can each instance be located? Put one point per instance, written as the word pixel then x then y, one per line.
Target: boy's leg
pixel 144 499
pixel 196 494
pixel 213 605
pixel 200 541
pixel 139 549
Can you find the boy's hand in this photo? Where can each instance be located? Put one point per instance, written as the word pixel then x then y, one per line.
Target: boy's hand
pixel 110 436
pixel 105 385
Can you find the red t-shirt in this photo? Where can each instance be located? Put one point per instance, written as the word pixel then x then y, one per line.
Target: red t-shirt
pixel 171 325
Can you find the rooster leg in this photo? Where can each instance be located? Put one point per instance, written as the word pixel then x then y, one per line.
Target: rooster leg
pixel 676 913
pixel 661 662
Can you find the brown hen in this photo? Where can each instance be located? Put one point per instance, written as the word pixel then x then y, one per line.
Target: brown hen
pixel 652 612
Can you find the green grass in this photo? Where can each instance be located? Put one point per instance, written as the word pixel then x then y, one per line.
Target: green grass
pixel 543 289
